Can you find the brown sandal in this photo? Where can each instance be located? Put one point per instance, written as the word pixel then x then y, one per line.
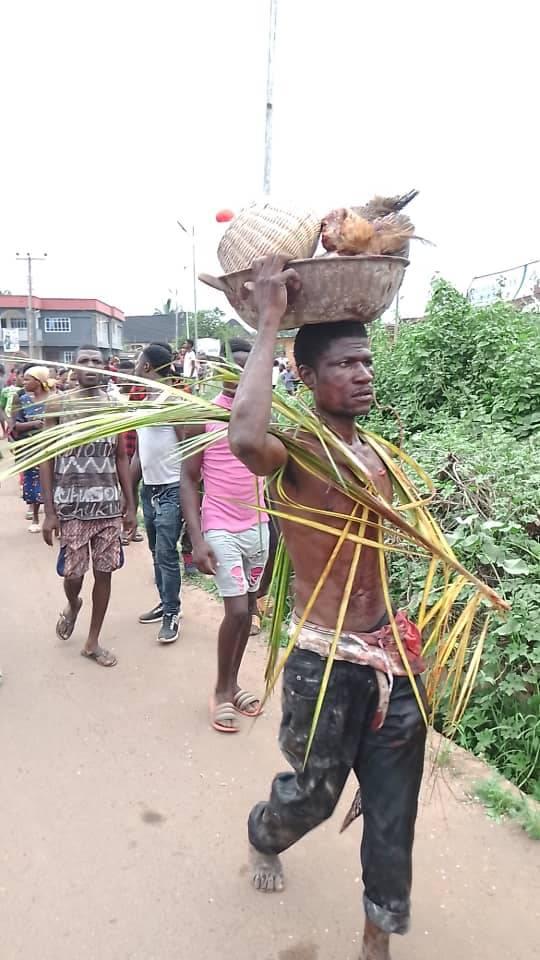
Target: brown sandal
pixel 65 624
pixel 101 656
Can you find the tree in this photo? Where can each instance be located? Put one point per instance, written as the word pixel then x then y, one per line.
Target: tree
pixel 213 323
pixel 166 308
pixel 210 323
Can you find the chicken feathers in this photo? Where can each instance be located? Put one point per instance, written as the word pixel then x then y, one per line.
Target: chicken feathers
pixel 346 233
pixel 392 235
pixel 381 206
pixel 376 228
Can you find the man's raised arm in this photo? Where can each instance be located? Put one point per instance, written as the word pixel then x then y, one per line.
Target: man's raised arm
pixel 250 416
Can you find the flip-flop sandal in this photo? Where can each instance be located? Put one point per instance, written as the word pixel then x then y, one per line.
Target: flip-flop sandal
pixel 243 700
pixel 265 606
pixel 101 656
pixel 220 713
pixel 126 540
pixel 65 624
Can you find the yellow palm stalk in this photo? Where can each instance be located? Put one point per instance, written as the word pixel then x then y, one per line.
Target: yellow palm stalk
pixel 451 642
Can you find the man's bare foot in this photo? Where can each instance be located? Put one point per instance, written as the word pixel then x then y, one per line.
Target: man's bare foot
pixel 376 944
pixel 266 871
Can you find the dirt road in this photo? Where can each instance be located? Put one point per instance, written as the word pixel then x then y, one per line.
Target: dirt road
pixel 122 824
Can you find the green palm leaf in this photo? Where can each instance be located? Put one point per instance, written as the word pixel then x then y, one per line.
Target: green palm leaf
pixel 451 639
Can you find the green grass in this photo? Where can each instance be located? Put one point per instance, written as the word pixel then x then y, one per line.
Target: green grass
pixel 443 756
pixel 502 803
pixel 208 584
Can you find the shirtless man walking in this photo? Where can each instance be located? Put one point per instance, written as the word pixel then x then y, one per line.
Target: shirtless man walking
pixel 370 721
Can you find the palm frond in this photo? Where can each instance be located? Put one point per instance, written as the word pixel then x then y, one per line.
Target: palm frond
pixel 279 590
pixel 295 633
pixel 452 640
pixel 343 607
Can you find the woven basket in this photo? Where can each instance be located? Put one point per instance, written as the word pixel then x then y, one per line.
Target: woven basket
pixel 262 229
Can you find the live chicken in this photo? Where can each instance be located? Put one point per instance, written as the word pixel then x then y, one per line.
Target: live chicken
pixel 382 206
pixel 347 233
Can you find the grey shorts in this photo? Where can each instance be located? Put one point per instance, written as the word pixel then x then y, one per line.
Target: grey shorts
pixel 241 559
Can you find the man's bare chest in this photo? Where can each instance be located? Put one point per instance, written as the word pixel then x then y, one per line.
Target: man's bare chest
pixel 307 490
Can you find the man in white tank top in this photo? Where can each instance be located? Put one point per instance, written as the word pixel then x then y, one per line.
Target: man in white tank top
pixel 157 462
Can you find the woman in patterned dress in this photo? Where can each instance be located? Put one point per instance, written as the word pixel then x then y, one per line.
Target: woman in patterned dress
pixel 28 417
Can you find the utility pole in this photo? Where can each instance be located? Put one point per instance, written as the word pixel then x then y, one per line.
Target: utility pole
pixel 194 266
pixel 396 318
pixel 31 328
pixel 270 97
pixel 191 230
pixel 175 292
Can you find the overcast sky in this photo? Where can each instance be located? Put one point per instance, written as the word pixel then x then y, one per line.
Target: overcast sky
pixel 118 117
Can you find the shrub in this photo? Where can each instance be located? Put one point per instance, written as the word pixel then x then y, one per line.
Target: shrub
pixel 462 390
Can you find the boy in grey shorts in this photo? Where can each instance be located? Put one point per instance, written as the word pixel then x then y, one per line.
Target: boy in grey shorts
pixel 230 542
pixel 240 560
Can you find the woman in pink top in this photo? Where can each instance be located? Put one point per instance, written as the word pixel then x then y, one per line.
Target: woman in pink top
pixel 230 541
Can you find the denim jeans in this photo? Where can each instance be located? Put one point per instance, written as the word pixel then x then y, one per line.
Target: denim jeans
pixel 163 522
pixel 388 764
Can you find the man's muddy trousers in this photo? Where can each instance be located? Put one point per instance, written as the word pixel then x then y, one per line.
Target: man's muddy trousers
pixel 388 764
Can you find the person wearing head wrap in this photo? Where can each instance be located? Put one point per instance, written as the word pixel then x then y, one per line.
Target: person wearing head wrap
pixel 27 418
pixel 41 377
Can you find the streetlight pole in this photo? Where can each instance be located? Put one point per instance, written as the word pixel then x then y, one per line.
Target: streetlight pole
pixel 194 265
pixel 269 97
pixel 31 328
pixel 191 230
pixel 396 318
pixel 175 292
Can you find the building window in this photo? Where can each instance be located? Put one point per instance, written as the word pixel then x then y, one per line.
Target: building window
pixel 13 324
pixel 116 335
pixel 69 356
pixel 57 324
pixel 102 332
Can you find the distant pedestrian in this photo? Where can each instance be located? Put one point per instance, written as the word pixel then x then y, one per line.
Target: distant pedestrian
pixel 82 491
pixel 127 390
pixel 275 373
pixel 157 461
pixel 13 387
pixel 189 361
pixel 3 417
pixel 61 379
pixel 27 414
pixel 288 380
pixel 202 373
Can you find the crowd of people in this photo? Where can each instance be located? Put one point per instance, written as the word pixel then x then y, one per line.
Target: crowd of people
pixel 370 722
pixel 89 496
pixel 283 372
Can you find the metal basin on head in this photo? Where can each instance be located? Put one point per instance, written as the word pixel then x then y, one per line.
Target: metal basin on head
pixel 333 288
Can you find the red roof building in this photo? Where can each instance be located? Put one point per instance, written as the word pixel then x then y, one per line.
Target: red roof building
pixel 62 323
